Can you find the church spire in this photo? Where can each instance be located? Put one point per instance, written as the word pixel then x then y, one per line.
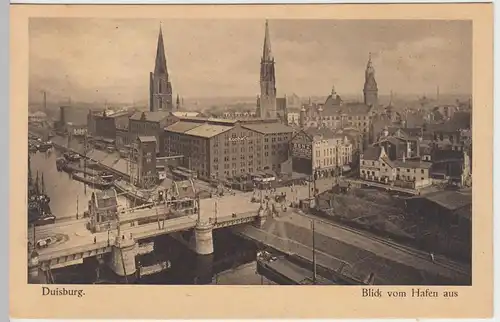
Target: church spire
pixel 160 88
pixel 370 89
pixel 178 102
pixel 267 101
pixel 161 60
pixel 267 54
pixel 370 71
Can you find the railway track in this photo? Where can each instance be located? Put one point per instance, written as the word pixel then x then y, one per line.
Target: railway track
pixel 409 250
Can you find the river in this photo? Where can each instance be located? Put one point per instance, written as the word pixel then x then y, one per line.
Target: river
pixel 233 261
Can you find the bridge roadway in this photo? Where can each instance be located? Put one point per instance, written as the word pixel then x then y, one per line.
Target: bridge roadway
pixel 74 241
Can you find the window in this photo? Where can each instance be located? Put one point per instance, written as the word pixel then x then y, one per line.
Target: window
pixel 422 171
pixel 422 179
pixel 373 163
pixel 266 154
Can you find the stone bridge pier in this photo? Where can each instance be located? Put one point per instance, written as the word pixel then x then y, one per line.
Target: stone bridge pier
pixel 122 257
pixel 204 241
pixel 33 268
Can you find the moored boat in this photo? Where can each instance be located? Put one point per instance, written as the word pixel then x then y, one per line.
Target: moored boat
pixel 61 164
pixel 45 146
pixel 92 180
pixel 70 156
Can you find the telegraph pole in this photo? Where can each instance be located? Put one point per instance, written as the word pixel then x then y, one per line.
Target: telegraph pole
pixel 314 252
pixel 85 162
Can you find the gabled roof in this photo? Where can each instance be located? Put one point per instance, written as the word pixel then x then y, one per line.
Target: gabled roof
pixel 412 164
pixel 451 200
pixel 157 116
pixel 208 130
pixel 182 126
pixel 348 108
pixel 268 128
pixel 391 139
pixel 372 153
pixel 185 114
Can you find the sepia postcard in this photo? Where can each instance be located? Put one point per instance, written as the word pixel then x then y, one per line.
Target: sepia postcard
pixel 251 161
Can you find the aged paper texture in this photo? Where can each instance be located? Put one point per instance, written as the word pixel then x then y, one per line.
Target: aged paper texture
pixel 251 161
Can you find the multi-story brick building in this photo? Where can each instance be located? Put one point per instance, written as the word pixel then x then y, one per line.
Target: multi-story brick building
pixel 150 124
pixel 320 151
pixel 105 125
pixel 218 148
pixel 146 160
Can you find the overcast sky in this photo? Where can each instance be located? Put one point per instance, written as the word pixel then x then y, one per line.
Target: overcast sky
pixel 98 59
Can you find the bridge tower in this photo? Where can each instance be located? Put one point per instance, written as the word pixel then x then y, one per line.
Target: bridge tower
pixel 122 260
pixel 261 218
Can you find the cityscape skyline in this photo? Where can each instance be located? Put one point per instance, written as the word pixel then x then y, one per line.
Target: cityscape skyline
pixel 417 49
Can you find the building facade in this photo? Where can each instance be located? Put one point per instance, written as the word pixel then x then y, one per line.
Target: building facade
pixel 146 161
pixel 398 145
pixel 228 148
pixel 150 124
pixel 320 151
pixel 375 165
pixel 160 88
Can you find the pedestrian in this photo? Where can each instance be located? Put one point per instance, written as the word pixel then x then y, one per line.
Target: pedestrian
pixel 432 257
pixel 95 239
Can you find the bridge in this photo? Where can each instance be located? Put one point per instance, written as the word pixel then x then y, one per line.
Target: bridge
pixel 73 241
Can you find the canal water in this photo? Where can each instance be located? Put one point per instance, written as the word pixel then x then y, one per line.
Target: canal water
pixel 233 261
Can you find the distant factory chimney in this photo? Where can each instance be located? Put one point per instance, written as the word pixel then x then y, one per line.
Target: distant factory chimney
pixel 45 102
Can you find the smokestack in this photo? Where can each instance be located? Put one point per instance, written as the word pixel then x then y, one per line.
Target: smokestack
pixel 45 102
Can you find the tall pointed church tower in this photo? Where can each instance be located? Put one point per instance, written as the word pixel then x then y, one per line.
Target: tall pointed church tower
pixel 160 89
pixel 267 101
pixel 370 89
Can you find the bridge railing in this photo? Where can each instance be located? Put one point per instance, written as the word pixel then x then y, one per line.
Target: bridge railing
pixel 49 255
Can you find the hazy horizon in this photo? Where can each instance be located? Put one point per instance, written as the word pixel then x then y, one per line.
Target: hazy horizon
pixel 94 60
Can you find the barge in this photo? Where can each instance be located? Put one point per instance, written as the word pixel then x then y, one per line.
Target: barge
pixel 92 180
